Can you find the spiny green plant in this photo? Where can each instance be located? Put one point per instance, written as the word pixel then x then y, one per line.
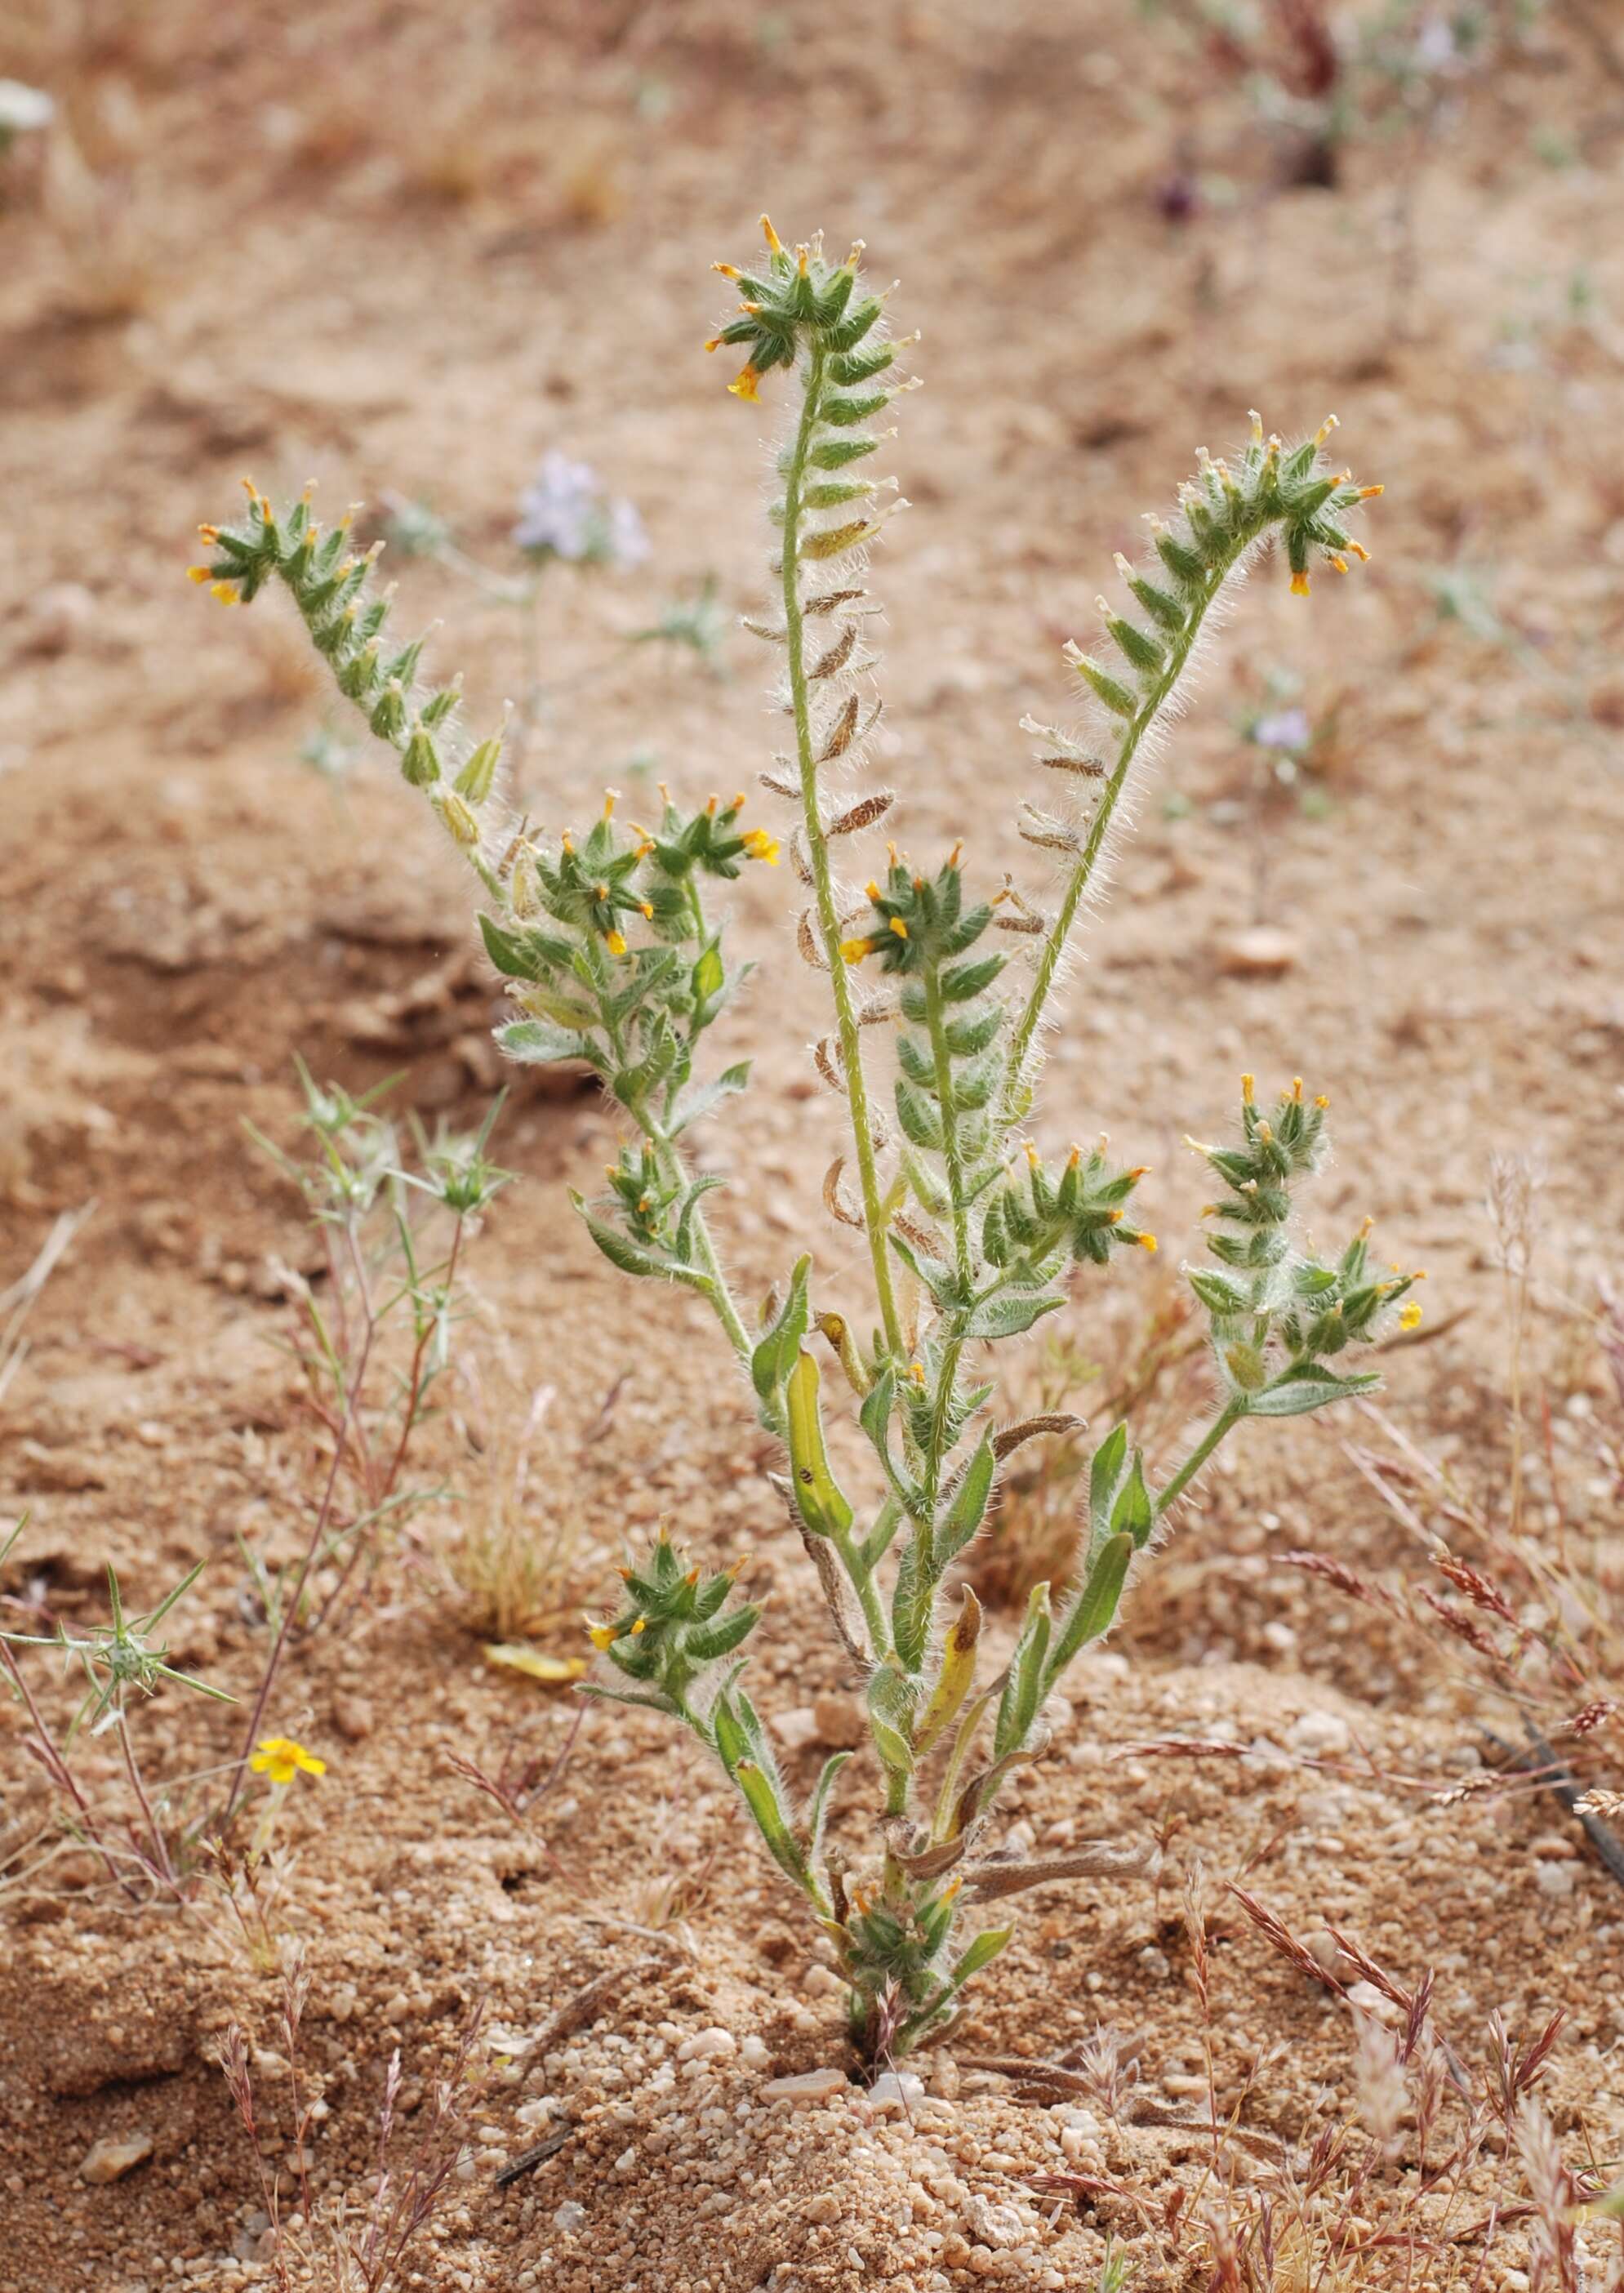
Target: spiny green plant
pixel 613 958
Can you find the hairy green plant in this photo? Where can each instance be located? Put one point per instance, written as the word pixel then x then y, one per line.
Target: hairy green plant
pixel 612 957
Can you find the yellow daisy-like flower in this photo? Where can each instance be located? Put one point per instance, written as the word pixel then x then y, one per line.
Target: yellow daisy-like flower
pixel 760 846
pixel 281 1758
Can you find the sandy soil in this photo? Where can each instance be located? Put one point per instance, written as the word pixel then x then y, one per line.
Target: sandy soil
pixel 388 250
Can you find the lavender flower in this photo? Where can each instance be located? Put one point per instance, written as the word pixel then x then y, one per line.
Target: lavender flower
pixel 565 513
pixel 1285 728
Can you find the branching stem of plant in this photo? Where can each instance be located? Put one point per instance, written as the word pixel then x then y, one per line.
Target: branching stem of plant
pixel 817 845
pixel 1017 1092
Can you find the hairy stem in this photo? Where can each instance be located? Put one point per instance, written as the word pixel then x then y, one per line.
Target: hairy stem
pixel 828 919
pixel 1193 1464
pixel 1017 1094
pixel 951 1156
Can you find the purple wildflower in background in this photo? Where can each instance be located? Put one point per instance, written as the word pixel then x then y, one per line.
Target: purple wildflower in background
pixel 1286 728
pixel 564 513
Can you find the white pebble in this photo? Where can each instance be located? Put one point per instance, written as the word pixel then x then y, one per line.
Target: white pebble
pixel 1317 1734
pixel 899 2090
pixel 806 2085
pixel 714 2045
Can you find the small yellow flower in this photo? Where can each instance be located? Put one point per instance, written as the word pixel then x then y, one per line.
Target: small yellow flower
pixel 1411 1319
pixel 281 1758
pixel 760 846
pixel 744 384
pixel 1300 585
pixel 1147 1242
pixel 602 1636
pixel 225 592
pixel 899 927
pixel 616 942
pixel 852 951
pixel 197 573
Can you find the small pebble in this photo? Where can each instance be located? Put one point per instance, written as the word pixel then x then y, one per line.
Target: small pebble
pixel 111 2159
pixel 806 2085
pixel 711 2046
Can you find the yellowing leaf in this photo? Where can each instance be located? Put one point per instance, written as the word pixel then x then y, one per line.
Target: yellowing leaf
pixel 535 1664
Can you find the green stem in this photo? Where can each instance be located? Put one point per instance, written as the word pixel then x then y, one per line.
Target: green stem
pixel 875 1545
pixel 1193 1464
pixel 828 919
pixel 1017 1094
pixel 950 1155
pixel 860 1571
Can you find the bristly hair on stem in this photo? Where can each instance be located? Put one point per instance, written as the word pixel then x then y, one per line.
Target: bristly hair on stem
pixel 971 1233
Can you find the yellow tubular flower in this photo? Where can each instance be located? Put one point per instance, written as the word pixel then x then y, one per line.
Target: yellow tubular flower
pixel 760 846
pixel 281 1758
pixel 852 951
pixel 1300 585
pixel 744 384
pixel 616 942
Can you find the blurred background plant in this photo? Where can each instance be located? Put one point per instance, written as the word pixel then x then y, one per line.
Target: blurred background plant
pixel 336 2243
pixel 371 1339
pixel 1320 78
pixel 1523 1597
pixel 567 517
pixel 1433 2166
pixel 518 1547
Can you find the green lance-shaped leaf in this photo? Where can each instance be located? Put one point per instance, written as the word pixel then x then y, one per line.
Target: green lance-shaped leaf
pixel 958 1674
pixel 1023 1686
pixel 771 1820
pixel 981 1953
pixel 1133 1511
pixel 817 1807
pixel 1094 1609
pixel 1104 1475
pixel 819 1498
pixel 537 1043
pixel 1295 1391
pixel 912 1601
pixel 774 1357
pixel 967 1508
pixel 1010 1316
pixel 621 1251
